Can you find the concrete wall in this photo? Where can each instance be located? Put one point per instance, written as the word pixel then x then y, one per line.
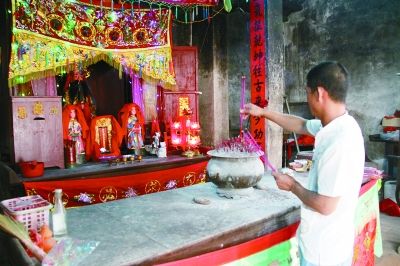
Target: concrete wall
pixel 275 52
pixel 365 37
pixel 238 64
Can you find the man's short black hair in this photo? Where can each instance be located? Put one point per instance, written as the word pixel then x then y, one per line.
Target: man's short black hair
pixel 333 77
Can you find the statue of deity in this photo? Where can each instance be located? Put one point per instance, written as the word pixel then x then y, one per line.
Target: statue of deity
pixel 77 92
pixel 75 132
pixel 134 131
pixel 132 123
pixel 74 127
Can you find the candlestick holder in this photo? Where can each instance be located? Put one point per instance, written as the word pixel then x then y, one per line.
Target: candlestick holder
pixel 185 135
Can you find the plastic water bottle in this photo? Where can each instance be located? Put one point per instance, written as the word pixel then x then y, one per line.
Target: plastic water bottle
pixel 59 215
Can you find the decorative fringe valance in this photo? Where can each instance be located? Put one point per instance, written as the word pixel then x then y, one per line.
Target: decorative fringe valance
pixel 47 42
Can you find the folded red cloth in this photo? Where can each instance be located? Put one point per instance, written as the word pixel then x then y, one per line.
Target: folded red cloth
pixel 389 207
pixel 389 129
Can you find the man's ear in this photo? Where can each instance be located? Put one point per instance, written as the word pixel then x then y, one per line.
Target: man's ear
pixel 322 93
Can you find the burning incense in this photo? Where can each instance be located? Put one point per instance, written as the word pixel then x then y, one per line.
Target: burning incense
pixel 250 139
pixel 242 99
pixel 241 146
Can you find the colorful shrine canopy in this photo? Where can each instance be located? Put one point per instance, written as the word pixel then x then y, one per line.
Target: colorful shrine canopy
pixel 53 36
pixel 155 2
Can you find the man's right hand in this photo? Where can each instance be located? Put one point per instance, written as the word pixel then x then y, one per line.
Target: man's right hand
pixel 288 122
pixel 251 109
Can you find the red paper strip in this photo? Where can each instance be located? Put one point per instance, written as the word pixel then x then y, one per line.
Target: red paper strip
pixel 258 68
pixel 366 187
pixel 240 251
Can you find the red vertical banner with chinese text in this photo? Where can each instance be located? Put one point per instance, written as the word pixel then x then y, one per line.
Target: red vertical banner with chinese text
pixel 258 79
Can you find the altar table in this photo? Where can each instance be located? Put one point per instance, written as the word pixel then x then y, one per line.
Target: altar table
pixel 168 228
pixel 280 247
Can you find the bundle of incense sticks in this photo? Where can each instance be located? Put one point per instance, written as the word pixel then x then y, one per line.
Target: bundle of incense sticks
pixel 245 142
pixel 242 100
pixel 249 138
pixel 241 144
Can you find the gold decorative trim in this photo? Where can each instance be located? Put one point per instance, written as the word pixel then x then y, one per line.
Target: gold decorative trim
pixel 108 194
pixel 183 103
pixel 189 178
pixel 113 30
pixel 38 108
pixel 152 186
pixel 146 59
pixel 52 17
pixel 53 110
pixel 65 198
pixel 81 27
pixel 21 112
pixel 31 192
pixel 141 36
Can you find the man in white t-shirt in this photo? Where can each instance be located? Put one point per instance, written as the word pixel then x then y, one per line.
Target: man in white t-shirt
pixel 326 231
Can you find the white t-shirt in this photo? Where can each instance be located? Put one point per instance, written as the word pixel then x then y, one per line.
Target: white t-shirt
pixel 337 171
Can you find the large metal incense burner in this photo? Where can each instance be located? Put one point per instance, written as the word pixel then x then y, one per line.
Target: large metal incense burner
pixel 235 166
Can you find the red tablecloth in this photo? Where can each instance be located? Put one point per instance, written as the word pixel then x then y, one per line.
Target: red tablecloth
pixel 80 192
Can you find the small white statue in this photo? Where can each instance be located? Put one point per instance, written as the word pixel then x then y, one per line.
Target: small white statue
pixel 156 141
pixel 162 150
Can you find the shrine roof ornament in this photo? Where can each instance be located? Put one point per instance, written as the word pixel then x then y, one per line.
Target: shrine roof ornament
pixel 51 36
pixel 184 11
pixel 121 3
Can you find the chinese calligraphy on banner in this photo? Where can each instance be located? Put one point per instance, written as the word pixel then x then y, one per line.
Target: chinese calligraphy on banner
pixel 258 67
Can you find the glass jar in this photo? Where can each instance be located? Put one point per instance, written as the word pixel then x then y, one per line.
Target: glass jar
pixel 59 215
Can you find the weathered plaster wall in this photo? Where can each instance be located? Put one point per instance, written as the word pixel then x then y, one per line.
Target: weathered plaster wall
pixel 365 37
pixel 220 80
pixel 238 64
pixel 275 80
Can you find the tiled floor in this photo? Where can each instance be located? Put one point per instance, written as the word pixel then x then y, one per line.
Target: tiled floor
pixel 390 227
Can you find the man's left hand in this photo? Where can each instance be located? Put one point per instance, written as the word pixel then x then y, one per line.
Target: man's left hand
pixel 284 181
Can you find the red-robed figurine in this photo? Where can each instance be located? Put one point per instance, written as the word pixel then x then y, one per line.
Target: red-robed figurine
pixel 132 122
pixel 75 127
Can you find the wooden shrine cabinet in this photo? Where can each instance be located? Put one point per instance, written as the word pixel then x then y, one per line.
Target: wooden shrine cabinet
pixel 186 71
pixel 36 130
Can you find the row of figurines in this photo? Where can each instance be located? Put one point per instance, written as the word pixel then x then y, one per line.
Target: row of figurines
pixel 105 135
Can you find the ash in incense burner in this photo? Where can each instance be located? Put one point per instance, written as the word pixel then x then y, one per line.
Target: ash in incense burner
pixel 235 166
